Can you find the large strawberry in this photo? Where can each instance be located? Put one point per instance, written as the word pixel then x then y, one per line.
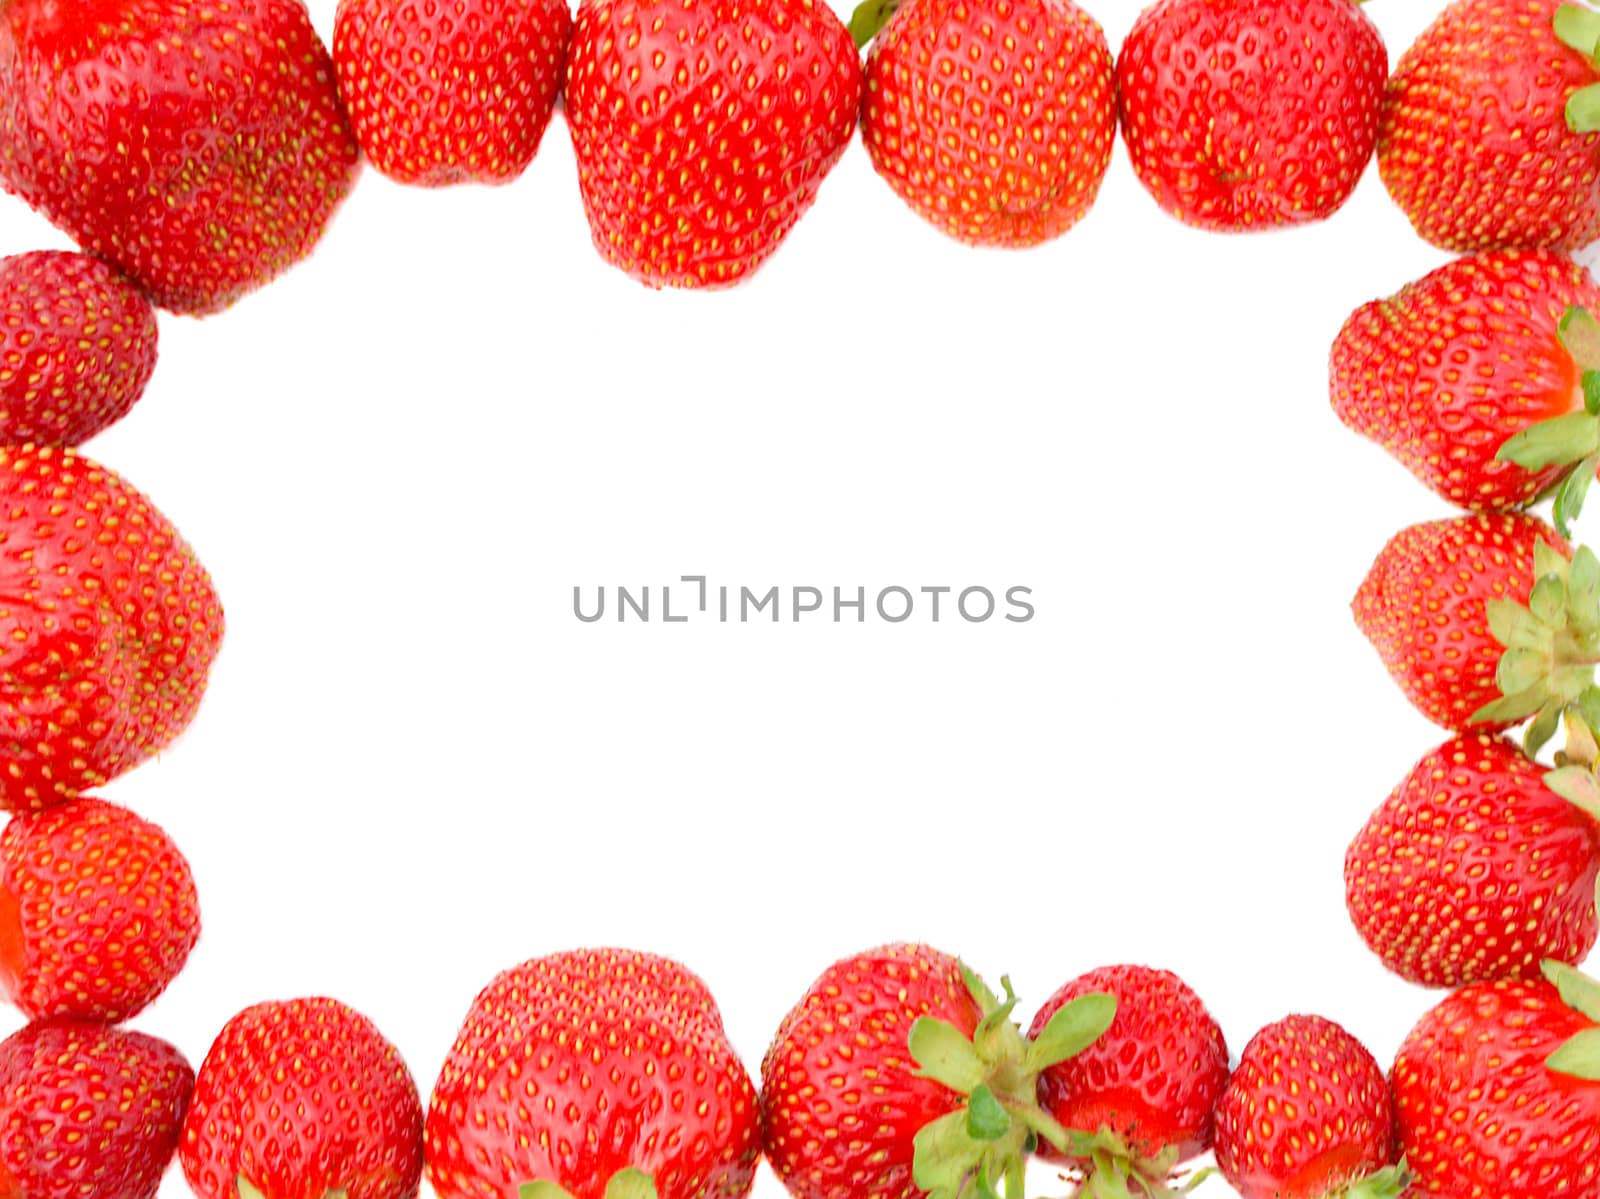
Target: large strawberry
pixel 1140 1099
pixel 98 911
pixel 1487 137
pixel 1474 869
pixel 88 1112
pixel 899 1073
pixel 1452 608
pixel 638 1092
pixel 303 1099
pixel 703 128
pixel 1307 1115
pixel 77 346
pixel 1497 1091
pixel 1446 370
pixel 108 627
pixel 199 146
pixel 450 92
pixel 1249 114
pixel 992 119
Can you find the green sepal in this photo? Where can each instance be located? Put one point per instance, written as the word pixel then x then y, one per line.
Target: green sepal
pixel 1509 709
pixel 1543 728
pixel 1579 1056
pixel 869 18
pixel 1514 626
pixel 1579 332
pixel 1588 705
pixel 945 1054
pixel 542 1190
pixel 626 1183
pixel 1583 109
pixel 1579 28
pixel 1561 439
pixel 986 1119
pixel 1389 1183
pixel 246 1188
pixel 1583 588
pixel 1570 495
pixel 1578 786
pixel 1074 1027
pixel 1578 991
pixel 944 1156
pixel 1590 382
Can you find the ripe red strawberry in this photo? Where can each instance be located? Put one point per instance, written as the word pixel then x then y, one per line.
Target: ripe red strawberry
pixel 900 1074
pixel 1141 1097
pixel 1445 371
pixel 300 1099
pixel 1474 869
pixel 1249 114
pixel 1307 1115
pixel 98 912
pixel 583 1070
pixel 199 146
pixel 993 119
pixel 77 346
pixel 1486 140
pixel 1497 1092
pixel 450 91
pixel 87 1110
pixel 108 627
pixel 1430 606
pixel 703 128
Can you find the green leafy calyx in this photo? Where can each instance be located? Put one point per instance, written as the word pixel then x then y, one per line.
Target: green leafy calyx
pixel 626 1183
pixel 1579 27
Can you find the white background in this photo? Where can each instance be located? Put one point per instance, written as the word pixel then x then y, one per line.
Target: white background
pixel 416 768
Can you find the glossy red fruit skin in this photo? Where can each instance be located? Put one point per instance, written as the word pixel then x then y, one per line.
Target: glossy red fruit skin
pixel 1306 1112
pixel 571 1067
pixel 992 119
pixel 200 147
pixel 1153 1077
pixel 1473 870
pixel 1250 114
pixel 77 346
pixel 1477 1110
pixel 450 91
pixel 87 1110
pixel 1473 143
pixel 108 627
pixel 98 912
pixel 302 1097
pixel 840 1094
pixel 703 128
pixel 1444 371
pixel 1422 607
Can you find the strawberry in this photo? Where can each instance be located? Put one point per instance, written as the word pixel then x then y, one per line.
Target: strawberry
pixel 992 119
pixel 1307 1116
pixel 302 1099
pixel 77 346
pixel 900 1073
pixel 199 146
pixel 450 91
pixel 1249 114
pixel 1486 138
pixel 87 1110
pixel 109 627
pixel 98 912
pixel 1445 598
pixel 1140 1099
pixel 1497 1091
pixel 1474 869
pixel 703 128
pixel 1445 371
pixel 593 1073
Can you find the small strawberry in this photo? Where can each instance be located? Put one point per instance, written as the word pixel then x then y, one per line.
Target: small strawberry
pixel 199 146
pixel 1445 599
pixel 1249 114
pixel 899 1073
pixel 303 1099
pixel 992 119
pixel 1497 1091
pixel 1486 139
pixel 108 627
pixel 1140 1098
pixel 77 346
pixel 450 91
pixel 98 912
pixel 1445 371
pixel 703 128
pixel 88 1111
pixel 1474 869
pixel 593 1073
pixel 1307 1116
